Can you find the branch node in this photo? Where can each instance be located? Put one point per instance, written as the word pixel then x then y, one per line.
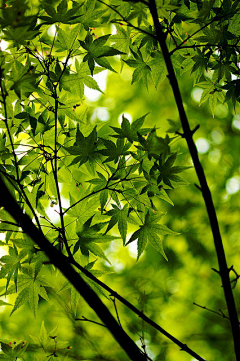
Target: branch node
pixel 214 269
pixel 184 347
pixel 181 134
pixel 195 129
pixel 198 187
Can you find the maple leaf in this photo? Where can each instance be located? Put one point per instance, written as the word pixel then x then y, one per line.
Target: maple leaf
pixel 84 147
pixel 114 151
pixel 90 15
pixel 168 171
pixel 212 92
pixel 142 69
pixel 17 37
pixel 122 7
pixel 82 210
pixel 201 63
pixel 118 216
pixel 88 238
pixel 131 131
pixel 47 340
pixel 11 265
pixel 153 189
pixel 23 78
pixel 158 68
pixel 98 183
pixel 154 145
pixel 62 15
pixel 75 82
pixel 233 91
pixel 31 286
pixel 97 52
pixel 122 41
pixel 149 232
pixel 211 35
pixel 66 39
pixel 12 352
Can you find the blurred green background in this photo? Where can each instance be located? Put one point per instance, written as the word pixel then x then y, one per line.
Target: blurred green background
pixel 165 291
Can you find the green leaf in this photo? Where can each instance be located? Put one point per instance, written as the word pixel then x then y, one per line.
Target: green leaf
pixel 120 217
pixel 66 39
pixel 31 286
pixel 89 236
pixel 142 68
pixel 130 131
pixel 158 68
pixel 84 147
pixel 103 198
pixel 24 79
pixel 75 82
pixel 97 52
pixel 122 41
pixel 233 91
pixel 167 172
pixel 75 297
pixel 62 15
pixel 11 265
pixel 155 146
pixel 22 297
pixel 149 232
pixel 113 151
pixel 97 251
pixel 46 340
pixel 211 92
pixel 99 183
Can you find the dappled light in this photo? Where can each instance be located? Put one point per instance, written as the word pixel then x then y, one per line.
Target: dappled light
pixel 119 180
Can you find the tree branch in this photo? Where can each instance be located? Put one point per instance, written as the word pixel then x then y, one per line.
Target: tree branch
pixel 62 263
pixel 224 270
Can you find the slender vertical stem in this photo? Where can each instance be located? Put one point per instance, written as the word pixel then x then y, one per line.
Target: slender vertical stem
pixel 188 135
pixel 55 174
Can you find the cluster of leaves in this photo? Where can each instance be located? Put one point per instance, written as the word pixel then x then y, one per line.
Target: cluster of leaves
pixel 47 138
pixel 210 53
pixel 46 347
pixel 124 171
pixel 131 171
pixel 12 351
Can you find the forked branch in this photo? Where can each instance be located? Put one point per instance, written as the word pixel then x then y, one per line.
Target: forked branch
pixel 63 263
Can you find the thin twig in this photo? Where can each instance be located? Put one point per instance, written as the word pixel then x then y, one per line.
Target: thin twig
pixel 86 319
pixel 216 18
pixel 114 303
pixel 126 21
pixel 220 313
